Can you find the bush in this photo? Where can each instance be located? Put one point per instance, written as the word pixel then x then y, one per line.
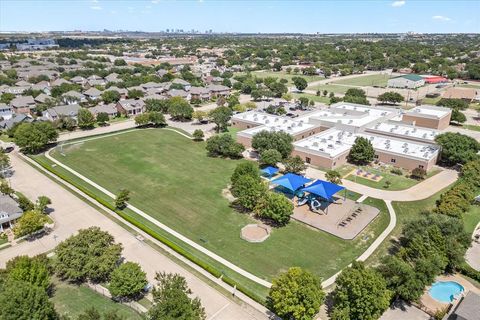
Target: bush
pixel 127 281
pixel 248 168
pixel 276 207
pixel 280 141
pixel 419 173
pixel 270 157
pixel 249 191
pixel 224 146
pixel 122 198
pixel 397 171
pixel 198 135
pixel 29 222
pixel 294 165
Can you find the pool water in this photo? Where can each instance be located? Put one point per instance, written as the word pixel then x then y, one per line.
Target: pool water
pixel 445 291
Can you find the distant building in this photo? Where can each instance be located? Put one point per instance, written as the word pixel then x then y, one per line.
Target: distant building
pixel 467 94
pixel 467 309
pixel 408 81
pixel 10 211
pixel 37 44
pixel 69 110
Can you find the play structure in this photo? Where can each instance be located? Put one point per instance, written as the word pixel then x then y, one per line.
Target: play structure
pixel 269 172
pixel 290 182
pixel 319 193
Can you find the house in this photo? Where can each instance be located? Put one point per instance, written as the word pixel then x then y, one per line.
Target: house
pixel 178 93
pixel 23 83
pixel 10 211
pixel 217 90
pixel 23 104
pixel 79 80
pixel 110 109
pixel 16 90
pixel 185 84
pixel 16 118
pixel 42 86
pixel 467 94
pixel 92 93
pixel 42 98
pixel 130 107
pixel 151 85
pixel 161 72
pixel 408 81
pixel 199 93
pixel 5 111
pixel 73 97
pixel 112 77
pixel 123 92
pixel 467 309
pixel 69 110
pixel 58 82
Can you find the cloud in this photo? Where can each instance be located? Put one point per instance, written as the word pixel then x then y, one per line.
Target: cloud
pixel 155 1
pixel 96 8
pixel 399 3
pixel 441 18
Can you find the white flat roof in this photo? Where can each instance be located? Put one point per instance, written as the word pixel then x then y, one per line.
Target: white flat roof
pixel 272 123
pixel 405 130
pixel 432 111
pixel 334 142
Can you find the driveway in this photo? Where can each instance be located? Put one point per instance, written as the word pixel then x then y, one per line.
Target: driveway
pixel 402 310
pixel 419 191
pixel 71 214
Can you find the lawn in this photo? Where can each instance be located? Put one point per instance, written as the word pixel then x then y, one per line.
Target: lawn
pixel 397 182
pixel 471 127
pixel 313 97
pixel 171 179
pixel 471 218
pixel 330 88
pixel 284 75
pixel 431 101
pixel 72 300
pixel 366 81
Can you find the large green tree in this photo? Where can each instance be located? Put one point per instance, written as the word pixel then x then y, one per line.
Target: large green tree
pixel 92 254
pixel 249 168
pixel 274 206
pixel 220 116
pixel 29 222
pixel 33 137
pixel 457 148
pixel 34 270
pixel 180 109
pixel 223 145
pixel 270 140
pixel 300 83
pixel 171 300
pixel 390 97
pixel 127 281
pixel 362 151
pixel 360 293
pixel 85 119
pixel 296 294
pixel 249 191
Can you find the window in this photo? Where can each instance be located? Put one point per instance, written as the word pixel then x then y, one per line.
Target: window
pixel 375 156
pixel 248 127
pixel 393 160
pixel 421 166
pixel 308 160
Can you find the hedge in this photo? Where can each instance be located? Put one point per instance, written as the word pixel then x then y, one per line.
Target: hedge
pixel 207 267
pixel 468 271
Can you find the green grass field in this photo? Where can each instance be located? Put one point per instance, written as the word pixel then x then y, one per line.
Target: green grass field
pixel 284 75
pixel 72 300
pixel 330 88
pixel 398 182
pixel 171 179
pixel 313 97
pixel 366 81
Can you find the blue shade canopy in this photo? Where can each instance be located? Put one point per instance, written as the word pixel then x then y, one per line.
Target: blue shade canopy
pixel 323 189
pixel 291 181
pixel 270 171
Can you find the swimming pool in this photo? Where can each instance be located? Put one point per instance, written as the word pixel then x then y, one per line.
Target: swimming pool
pixel 445 291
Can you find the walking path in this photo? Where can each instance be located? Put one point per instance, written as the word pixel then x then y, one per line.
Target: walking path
pixel 71 214
pixel 375 244
pixel 420 191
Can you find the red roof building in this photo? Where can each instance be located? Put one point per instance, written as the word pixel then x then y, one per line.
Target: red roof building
pixel 435 79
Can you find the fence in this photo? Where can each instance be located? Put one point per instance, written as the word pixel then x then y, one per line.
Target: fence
pixel 105 292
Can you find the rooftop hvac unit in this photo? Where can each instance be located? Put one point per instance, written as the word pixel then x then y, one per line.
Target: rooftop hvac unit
pixel 407 133
pixel 267 121
pixel 393 129
pixel 371 138
pixel 277 119
pixel 321 149
pixel 324 140
pixel 405 150
pixel 425 155
pixel 414 130
pixel 338 142
pixel 330 146
pixel 293 124
pixel 264 117
pixel 350 121
pixel 315 144
pixel 255 119
pixel 330 137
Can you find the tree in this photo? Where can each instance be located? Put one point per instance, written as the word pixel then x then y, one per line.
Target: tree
pixel 360 293
pixel 180 109
pixel 33 137
pixel 225 146
pixel 171 300
pixel 85 119
pixel 248 168
pixel 333 176
pixel 355 95
pixel 42 203
pixel 142 119
pixel 362 152
pixel 458 104
pixel 390 97
pixel 4 162
pixel 5 188
pixel 119 62
pixel 325 92
pixel 199 115
pixel 156 105
pixel 127 281
pixel 198 135
pixel 135 94
pixel 300 83
pixel 457 116
pixel 157 119
pixel 7 97
pixel 21 300
pixel 457 148
pixel 249 191
pixel 24 203
pixel 268 140
pixel 110 96
pixel 276 207
pixel 92 254
pixel 34 270
pixel 90 314
pixel 418 173
pixel 220 116
pixel 294 165
pixel 29 222
pixel 122 198
pixel 270 157
pixel 102 117
pixel 296 294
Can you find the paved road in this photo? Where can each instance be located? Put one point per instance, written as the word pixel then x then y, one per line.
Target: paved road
pixel 71 214
pixel 473 253
pixel 419 191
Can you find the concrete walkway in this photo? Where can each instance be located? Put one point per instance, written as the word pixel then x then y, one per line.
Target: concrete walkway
pixel 375 244
pixel 71 214
pixel 473 253
pixel 420 191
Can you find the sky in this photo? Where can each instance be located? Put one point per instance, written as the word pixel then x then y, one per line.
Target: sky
pixel 251 16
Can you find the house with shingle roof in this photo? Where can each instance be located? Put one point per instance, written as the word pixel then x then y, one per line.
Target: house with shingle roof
pixel 23 104
pixel 10 211
pixel 199 93
pixel 92 93
pixel 110 109
pixel 73 97
pixel 130 107
pixel 16 118
pixel 42 98
pixel 69 110
pixel 217 90
pixel 467 309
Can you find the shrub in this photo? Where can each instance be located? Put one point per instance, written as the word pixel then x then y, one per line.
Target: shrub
pixel 294 164
pixel 419 173
pixel 397 171
pixel 224 146
pixel 198 135
pixel 248 168
pixel 270 157
pixel 249 191
pixel 122 197
pixel 276 207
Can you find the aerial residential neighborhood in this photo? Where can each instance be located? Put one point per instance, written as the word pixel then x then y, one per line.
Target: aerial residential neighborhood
pixel 221 160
